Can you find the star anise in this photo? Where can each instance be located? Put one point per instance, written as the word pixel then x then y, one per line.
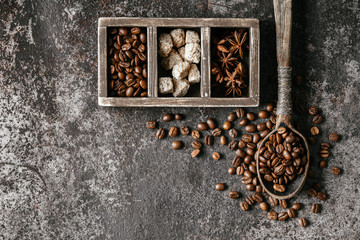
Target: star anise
pixel 238 43
pixel 234 81
pixel 217 72
pixel 226 60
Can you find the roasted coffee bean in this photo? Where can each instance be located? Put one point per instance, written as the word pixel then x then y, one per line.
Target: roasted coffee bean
pixel 202 126
pixel 233 145
pixel 196 144
pixel 208 140
pixel 296 206
pixel 264 133
pixel 282 130
pixel 173 132
pixel 160 134
pixel 270 107
pixel 283 203
pixel 250 187
pixel 244 206
pixel 233 133
pixel 184 130
pixel 250 128
pixel 263 114
pixel 234 195
pixel 250 200
pixel 195 134
pixel 291 212
pixel 324 153
pixel 302 222
pixel 315 208
pixel 256 138
pixel 317 119
pixel 258 197
pixel 250 116
pixel 242 144
pixel 168 117
pixel 232 117
pixel 264 206
pixel 151 124
pixel 273 201
pixel 248 159
pixel 236 161
pixel 243 122
pixel 232 170
pixel 336 170
pixel 177 145
pixel 322 164
pixel 321 196
pixel 279 187
pixel 261 127
pixel 240 112
pixel 216 132
pixel 311 192
pixel 178 117
pixel 195 153
pixel 259 189
pixel 227 125
pixel 142 37
pixel 269 124
pixel 272 215
pixel 220 187
pixel 247 138
pixel 283 216
pixel 129 91
pixel 123 31
pixel 241 153
pixel 240 170
pixel 325 146
pixel 215 155
pixel 314 131
pixel 223 140
pixel 313 111
pixel 211 123
pixel 334 137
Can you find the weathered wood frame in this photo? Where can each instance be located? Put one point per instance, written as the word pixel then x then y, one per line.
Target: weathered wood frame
pixel 205 99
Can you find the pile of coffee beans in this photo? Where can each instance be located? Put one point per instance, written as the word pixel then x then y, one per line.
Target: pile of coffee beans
pixel 127 62
pixel 282 156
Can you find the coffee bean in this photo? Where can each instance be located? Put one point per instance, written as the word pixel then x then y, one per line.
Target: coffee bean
pixel 264 133
pixel 123 31
pixel 250 116
pixel 234 195
pixel 178 116
pixel 250 128
pixel 315 208
pixel 211 123
pixel 270 107
pixel 283 216
pixel 264 206
pixel 283 203
pixel 129 91
pixel 272 215
pixel 325 146
pixel 250 187
pixel 324 153
pixel 177 145
pixel 227 125
pixel 241 153
pixel 242 144
pixel 291 212
pixel 184 130
pixel 314 131
pixel 246 180
pixel 258 197
pixel 321 196
pixel 168 117
pixel 160 134
pixel 322 164
pixel 256 138
pixel 232 170
pixel 151 124
pixel 263 114
pixel 195 134
pixel 202 126
pixel 196 144
pixel 173 132
pixel 302 222
pixel 282 130
pixel 317 119
pixel 313 111
pixel 233 145
pixel 244 206
pixel 223 140
pixel 247 138
pixel 296 206
pixel 243 122
pixel 142 37
pixel 216 132
pixel 261 127
pixel 336 170
pixel 240 170
pixel 236 162
pixel 269 124
pixel 233 133
pixel 250 200
pixel 195 153
pixel 334 137
pixel 240 112
pixel 279 187
pixel 215 155
pixel 311 192
pixel 273 201
pixel 220 187
pixel 208 140
pixel 232 117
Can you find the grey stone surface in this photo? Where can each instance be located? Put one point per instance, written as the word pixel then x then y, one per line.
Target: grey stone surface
pixel 73 170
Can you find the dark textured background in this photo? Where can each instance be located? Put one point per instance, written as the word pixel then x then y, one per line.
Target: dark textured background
pixel 108 178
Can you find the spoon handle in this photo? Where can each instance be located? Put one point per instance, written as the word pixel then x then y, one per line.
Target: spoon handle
pixel 283 23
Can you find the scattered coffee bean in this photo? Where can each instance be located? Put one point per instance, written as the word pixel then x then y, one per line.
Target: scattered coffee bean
pixel 240 170
pixel 232 170
pixel 321 196
pixel 250 187
pixel 196 144
pixel 173 132
pixel 263 114
pixel 325 146
pixel 250 116
pixel 311 192
pixel 178 116
pixel 261 127
pixel 240 112
pixel 334 137
pixel 227 125
pixel 184 130
pixel 317 119
pixel 324 153
pixel 202 126
pixel 336 170
pixel 208 140
pixel 216 132
pixel 215 155
pixel 243 122
pixel 234 195
pixel 315 208
pixel 220 187
pixel 270 107
pixel 168 117
pixel 244 206
pixel 237 161
pixel 211 123
pixel 264 206
pixel 314 131
pixel 322 164
pixel 279 187
pixel 195 134
pixel 258 197
pixel 296 206
pixel 233 145
pixel 302 222
pixel 223 140
pixel 232 117
pixel 195 153
pixel 160 134
pixel 272 215
pixel 233 133
pixel 151 124
pixel 273 201
pixel 250 200
pixel 291 212
pixel 313 111
pixel 283 216
pixel 250 128
pixel 283 203
pixel 177 145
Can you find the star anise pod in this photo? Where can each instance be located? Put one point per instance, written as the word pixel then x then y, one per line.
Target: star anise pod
pixel 234 81
pixel 238 43
pixel 217 72
pixel 226 60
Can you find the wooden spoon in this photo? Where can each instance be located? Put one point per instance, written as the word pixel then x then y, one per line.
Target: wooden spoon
pixel 283 22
